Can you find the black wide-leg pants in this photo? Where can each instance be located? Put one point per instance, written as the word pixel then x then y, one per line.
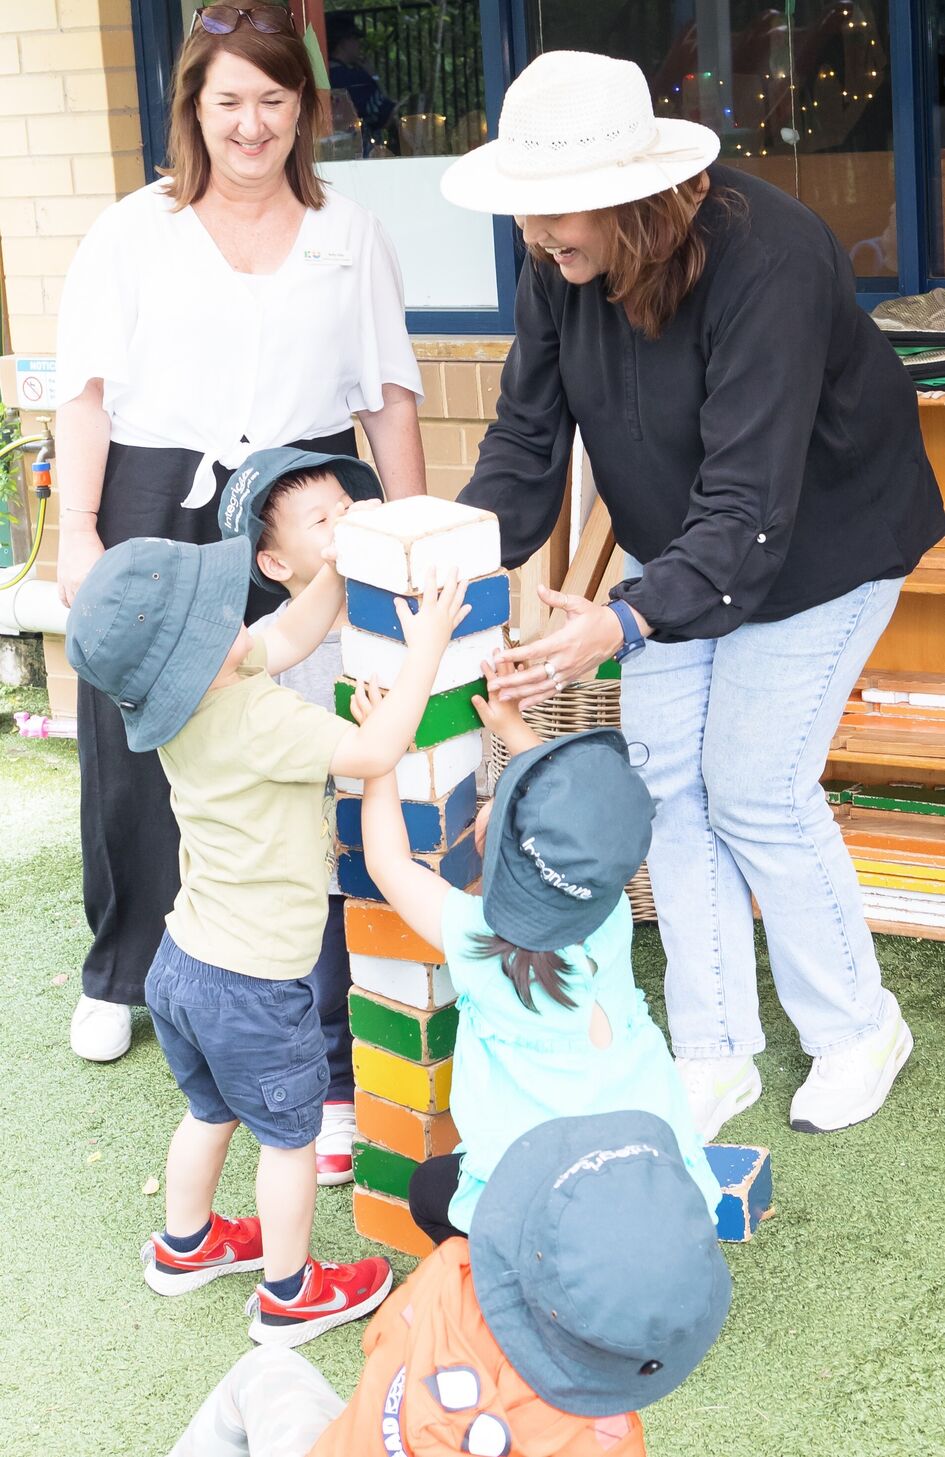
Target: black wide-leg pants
pixel 130 843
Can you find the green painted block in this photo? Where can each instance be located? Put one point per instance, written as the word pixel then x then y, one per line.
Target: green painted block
pixel 421 1036
pixel 916 799
pixel 839 791
pixel 446 716
pixel 608 669
pixel 381 1170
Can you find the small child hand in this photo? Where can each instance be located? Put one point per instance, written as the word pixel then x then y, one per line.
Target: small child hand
pixel 499 717
pixel 366 697
pixel 429 630
pixel 337 513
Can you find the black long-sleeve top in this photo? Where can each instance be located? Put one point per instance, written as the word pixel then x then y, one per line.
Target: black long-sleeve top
pixel 760 457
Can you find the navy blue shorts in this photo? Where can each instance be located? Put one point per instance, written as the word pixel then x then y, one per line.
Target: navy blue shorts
pixel 241 1047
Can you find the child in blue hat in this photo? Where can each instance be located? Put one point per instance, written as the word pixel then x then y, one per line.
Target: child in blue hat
pixel 158 626
pixel 590 1287
pixel 550 1021
pixel 282 500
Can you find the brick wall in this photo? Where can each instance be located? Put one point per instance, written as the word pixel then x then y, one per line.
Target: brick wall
pixel 70 143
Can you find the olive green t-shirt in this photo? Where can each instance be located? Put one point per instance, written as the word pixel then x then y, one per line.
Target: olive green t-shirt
pixel 250 788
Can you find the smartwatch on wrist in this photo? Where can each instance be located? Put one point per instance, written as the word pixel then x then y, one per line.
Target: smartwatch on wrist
pixel 633 639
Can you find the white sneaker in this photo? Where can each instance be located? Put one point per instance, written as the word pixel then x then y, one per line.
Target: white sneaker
pixel 717 1089
pixel 850 1086
pixel 333 1161
pixel 100 1031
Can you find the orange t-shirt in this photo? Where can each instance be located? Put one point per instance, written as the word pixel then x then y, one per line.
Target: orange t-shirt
pixel 436 1383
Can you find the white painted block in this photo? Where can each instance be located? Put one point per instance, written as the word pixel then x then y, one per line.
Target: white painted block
pixel 396 546
pixel 365 654
pixel 927 700
pixel 427 774
pixel 883 695
pixel 411 982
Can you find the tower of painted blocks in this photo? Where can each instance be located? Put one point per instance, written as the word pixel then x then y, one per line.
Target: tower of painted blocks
pixel 402 1009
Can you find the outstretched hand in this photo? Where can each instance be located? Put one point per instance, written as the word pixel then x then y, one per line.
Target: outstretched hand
pixel 429 629
pixel 589 637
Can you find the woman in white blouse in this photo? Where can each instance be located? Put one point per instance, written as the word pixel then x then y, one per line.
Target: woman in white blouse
pixel 236 304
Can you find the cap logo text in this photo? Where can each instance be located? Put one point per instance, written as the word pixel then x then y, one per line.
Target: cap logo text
pixel 592 1163
pixel 551 876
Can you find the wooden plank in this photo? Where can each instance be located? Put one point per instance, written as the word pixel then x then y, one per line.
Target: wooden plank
pixel 548 566
pixel 594 553
pixel 613 573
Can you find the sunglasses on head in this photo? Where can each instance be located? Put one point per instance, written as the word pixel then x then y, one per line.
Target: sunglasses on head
pixel 224 19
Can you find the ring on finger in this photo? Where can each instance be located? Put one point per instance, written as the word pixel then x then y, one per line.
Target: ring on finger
pixel 550 669
pixel 560 685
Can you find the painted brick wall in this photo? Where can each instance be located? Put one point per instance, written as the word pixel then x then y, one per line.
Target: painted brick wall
pixel 70 143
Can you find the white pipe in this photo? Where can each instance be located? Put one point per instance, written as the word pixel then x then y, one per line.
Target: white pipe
pixel 31 606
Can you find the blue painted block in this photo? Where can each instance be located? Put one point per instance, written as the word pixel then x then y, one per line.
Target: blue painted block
pixel 745 1176
pixel 372 608
pixel 460 866
pixel 431 827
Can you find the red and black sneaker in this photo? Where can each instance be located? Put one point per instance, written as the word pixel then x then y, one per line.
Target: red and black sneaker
pixel 229 1247
pixel 330 1295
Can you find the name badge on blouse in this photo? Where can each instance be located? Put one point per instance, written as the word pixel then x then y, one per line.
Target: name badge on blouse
pixel 326 255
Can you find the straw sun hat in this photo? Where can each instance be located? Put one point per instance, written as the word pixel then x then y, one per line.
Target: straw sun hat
pixel 577 132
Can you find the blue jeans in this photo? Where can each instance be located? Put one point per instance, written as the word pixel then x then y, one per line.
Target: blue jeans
pixel 738 729
pixel 332 978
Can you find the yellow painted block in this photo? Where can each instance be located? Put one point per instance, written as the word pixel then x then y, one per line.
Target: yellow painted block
pixel 427 1089
pixel 903 870
pixel 902 882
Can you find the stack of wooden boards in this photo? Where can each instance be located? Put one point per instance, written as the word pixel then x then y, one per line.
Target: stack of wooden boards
pixel 895 829
pixel 401 1004
pixel 896 718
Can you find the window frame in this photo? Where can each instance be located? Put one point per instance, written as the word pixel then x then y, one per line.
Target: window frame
pixel 158 34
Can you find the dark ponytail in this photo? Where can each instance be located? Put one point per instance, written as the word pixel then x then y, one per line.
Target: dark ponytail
pixel 523 968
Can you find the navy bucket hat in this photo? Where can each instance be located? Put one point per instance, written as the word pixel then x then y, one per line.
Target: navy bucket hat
pixel 570 825
pixel 152 624
pixel 247 491
pixel 596 1264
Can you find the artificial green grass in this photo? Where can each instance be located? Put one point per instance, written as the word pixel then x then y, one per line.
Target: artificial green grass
pixel 835 1346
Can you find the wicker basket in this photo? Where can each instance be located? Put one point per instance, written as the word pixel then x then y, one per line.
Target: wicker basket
pixel 595 704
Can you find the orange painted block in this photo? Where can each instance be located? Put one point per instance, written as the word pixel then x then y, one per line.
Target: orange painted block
pixel 373 929
pixel 416 1135
pixel 389 1222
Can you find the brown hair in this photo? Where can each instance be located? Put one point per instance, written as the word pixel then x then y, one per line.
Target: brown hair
pixel 293 481
pixel 524 968
pixel 284 59
pixel 655 252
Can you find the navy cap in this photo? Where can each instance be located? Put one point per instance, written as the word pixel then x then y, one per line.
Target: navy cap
pixel 152 624
pixel 246 492
pixel 596 1264
pixel 570 825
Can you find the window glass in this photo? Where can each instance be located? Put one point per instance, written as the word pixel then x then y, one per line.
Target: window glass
pixel 408 96
pixel 799 93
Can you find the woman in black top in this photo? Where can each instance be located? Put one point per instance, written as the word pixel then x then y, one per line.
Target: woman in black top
pixel 757 444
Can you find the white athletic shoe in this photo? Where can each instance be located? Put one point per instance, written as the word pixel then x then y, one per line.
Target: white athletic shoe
pixel 849 1086
pixel 100 1031
pixel 717 1089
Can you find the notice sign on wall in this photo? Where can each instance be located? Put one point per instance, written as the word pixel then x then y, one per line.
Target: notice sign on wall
pixel 35 383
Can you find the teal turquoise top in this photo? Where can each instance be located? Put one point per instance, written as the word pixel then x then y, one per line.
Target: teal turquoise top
pixel 514 1069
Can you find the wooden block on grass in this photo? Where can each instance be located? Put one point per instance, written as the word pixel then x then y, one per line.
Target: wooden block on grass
pixel 432 826
pixel 372 608
pixel 389 1222
pixel 460 865
pixel 426 1089
pixel 425 775
pixel 365 655
pixel 398 544
pixel 373 929
pixel 745 1176
pixel 411 982
pixel 381 1169
pixel 423 1036
pixel 418 1136
pixel 446 716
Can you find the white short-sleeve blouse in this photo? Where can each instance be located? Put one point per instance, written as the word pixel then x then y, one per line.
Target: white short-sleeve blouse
pixel 196 355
